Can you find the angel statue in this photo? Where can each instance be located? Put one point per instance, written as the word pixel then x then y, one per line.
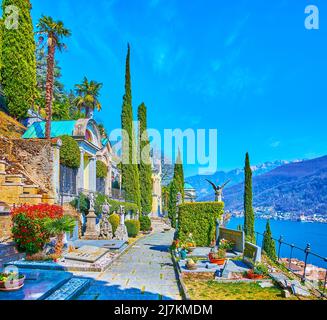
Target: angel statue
pixel 219 190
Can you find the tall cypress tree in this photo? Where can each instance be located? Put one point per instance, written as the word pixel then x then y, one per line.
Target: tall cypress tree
pixel 248 208
pixel 179 174
pixel 269 245
pixel 18 58
pixel 130 173
pixel 172 208
pixel 145 169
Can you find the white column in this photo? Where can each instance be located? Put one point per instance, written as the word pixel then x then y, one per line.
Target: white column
pixel 108 180
pixel 56 170
pixel 80 173
pixel 93 174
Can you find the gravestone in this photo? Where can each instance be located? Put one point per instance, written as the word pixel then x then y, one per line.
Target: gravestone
pixel 121 231
pixel 236 236
pixel 87 254
pixel 105 225
pixel 252 254
pixel 91 232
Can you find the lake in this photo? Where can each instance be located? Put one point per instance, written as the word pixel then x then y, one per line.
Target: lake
pixel 297 233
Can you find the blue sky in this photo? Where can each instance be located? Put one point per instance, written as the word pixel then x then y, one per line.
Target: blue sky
pixel 248 68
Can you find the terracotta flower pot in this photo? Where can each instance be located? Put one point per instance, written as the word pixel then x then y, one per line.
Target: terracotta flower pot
pixel 254 276
pixel 219 262
pixel 12 285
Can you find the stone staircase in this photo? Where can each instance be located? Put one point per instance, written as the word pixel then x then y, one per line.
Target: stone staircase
pixel 9 253
pixel 16 189
pixel 158 224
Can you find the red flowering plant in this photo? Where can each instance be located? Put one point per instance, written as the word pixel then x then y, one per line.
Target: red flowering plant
pixel 29 231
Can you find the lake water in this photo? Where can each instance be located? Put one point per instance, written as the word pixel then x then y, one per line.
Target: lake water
pixel 297 233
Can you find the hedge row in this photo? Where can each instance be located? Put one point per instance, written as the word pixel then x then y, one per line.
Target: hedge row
pixel 102 169
pixel 200 220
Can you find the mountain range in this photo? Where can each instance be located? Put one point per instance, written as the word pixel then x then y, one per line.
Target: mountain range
pixel 296 187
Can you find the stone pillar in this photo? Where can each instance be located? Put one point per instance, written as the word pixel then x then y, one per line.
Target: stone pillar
pixel 91 232
pixel 80 173
pixel 93 174
pixel 121 232
pixel 56 170
pixel 108 180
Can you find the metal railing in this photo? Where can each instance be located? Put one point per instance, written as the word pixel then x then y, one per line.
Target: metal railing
pixel 306 251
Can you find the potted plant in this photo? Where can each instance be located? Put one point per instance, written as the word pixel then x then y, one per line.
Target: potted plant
pixel 190 264
pixel 217 257
pixel 190 243
pixel 258 272
pixel 226 245
pixel 11 281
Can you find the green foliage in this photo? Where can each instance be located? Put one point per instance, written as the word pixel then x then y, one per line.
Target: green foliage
pixel 248 207
pixel 114 219
pixel 179 175
pixel 59 226
pixel 102 170
pixel 199 219
pixel 114 205
pixel 145 223
pixel 130 173
pixel 133 228
pixel 69 153
pixel 81 203
pixel 18 74
pixel 260 269
pixel 172 208
pixel 145 169
pixel 269 245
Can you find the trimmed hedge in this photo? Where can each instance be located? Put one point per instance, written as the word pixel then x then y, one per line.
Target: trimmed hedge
pixel 200 220
pixel 133 228
pixel 102 169
pixel 145 223
pixel 115 205
pixel 70 155
pixel 114 220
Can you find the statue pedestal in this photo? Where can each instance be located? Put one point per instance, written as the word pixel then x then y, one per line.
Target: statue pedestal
pixel 121 233
pixel 91 232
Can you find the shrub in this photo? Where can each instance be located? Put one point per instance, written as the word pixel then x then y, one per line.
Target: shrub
pixel 81 203
pixel 115 205
pixel 133 228
pixel 145 223
pixel 29 231
pixel 102 170
pixel 199 219
pixel 114 219
pixel 69 152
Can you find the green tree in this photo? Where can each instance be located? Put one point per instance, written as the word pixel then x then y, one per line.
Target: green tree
pixel 55 32
pixel 88 96
pixel 145 169
pixel 248 208
pixel 130 173
pixel 269 245
pixel 18 73
pixel 172 208
pixel 179 175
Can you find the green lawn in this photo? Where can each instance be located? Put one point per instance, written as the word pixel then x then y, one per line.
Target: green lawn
pixel 212 290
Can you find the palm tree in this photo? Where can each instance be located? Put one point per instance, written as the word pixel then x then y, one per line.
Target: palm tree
pixel 88 96
pixel 58 228
pixel 54 31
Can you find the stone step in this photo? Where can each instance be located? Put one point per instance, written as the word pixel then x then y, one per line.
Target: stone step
pixel 30 189
pixel 6 260
pixel 70 290
pixel 8 249
pixel 3 165
pixel 14 178
pixel 30 199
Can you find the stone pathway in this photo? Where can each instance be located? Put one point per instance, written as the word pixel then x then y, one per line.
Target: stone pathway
pixel 145 272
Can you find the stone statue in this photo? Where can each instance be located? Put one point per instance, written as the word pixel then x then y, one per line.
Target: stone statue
pixel 106 207
pixel 219 190
pixel 121 232
pixel 105 225
pixel 91 199
pixel 105 228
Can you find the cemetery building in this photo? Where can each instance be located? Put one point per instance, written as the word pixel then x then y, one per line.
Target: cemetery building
pixel 69 182
pixel 189 193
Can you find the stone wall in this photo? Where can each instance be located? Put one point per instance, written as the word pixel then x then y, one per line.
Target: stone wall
pixel 5 227
pixel 35 158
